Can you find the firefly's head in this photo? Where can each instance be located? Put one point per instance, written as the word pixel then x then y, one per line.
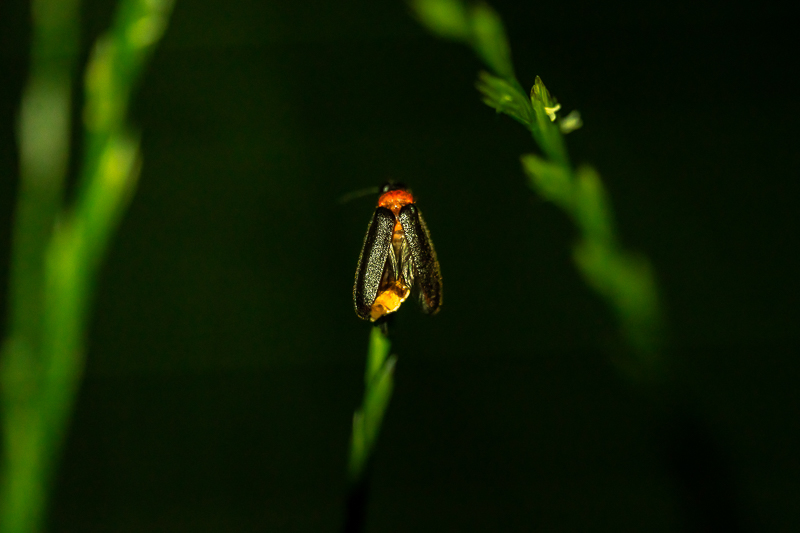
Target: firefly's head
pixel 394 196
pixel 393 186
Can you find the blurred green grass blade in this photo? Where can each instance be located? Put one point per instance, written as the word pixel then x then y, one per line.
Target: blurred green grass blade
pixel 478 25
pixel 60 248
pixel 43 135
pixel 592 208
pixel 547 133
pixel 552 181
pixel 379 384
pixel 481 28
pixel 445 18
pixel 114 69
pixel 22 499
pixel 625 280
pixel 74 257
pixel 490 41
pixel 506 98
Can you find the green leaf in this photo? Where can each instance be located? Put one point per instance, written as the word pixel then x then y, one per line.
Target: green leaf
pixel 552 181
pixel 59 247
pixel 445 18
pixel 490 40
pixel 547 135
pixel 592 206
pixel 505 98
pixel 626 280
pixel 540 95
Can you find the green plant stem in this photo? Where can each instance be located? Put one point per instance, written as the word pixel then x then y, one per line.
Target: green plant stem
pixel 378 386
pixel 58 249
pixel 625 280
pixel 43 135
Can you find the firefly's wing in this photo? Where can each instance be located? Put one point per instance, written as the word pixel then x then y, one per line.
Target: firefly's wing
pixel 425 266
pixel 372 261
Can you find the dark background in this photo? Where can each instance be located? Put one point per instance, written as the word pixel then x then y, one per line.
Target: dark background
pixel 224 357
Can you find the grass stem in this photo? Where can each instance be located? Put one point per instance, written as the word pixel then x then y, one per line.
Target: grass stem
pixel 624 279
pixel 57 249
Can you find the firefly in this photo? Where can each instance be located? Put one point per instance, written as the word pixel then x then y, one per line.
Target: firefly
pixel 397 257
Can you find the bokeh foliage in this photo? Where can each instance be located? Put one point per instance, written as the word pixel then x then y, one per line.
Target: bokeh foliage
pixel 624 279
pixel 58 246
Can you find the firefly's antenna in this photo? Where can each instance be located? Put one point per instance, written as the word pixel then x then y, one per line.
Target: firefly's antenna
pixel 360 193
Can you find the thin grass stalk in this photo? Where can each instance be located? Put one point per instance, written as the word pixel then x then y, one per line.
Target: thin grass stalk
pixel 624 279
pixel 58 248
pixel 367 420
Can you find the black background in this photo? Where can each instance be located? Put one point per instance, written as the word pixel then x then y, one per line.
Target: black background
pixel 224 357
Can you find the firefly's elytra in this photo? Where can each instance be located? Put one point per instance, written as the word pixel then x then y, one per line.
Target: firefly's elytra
pixel 397 257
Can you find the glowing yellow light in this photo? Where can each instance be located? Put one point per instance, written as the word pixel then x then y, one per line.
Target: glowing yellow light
pixel 389 300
